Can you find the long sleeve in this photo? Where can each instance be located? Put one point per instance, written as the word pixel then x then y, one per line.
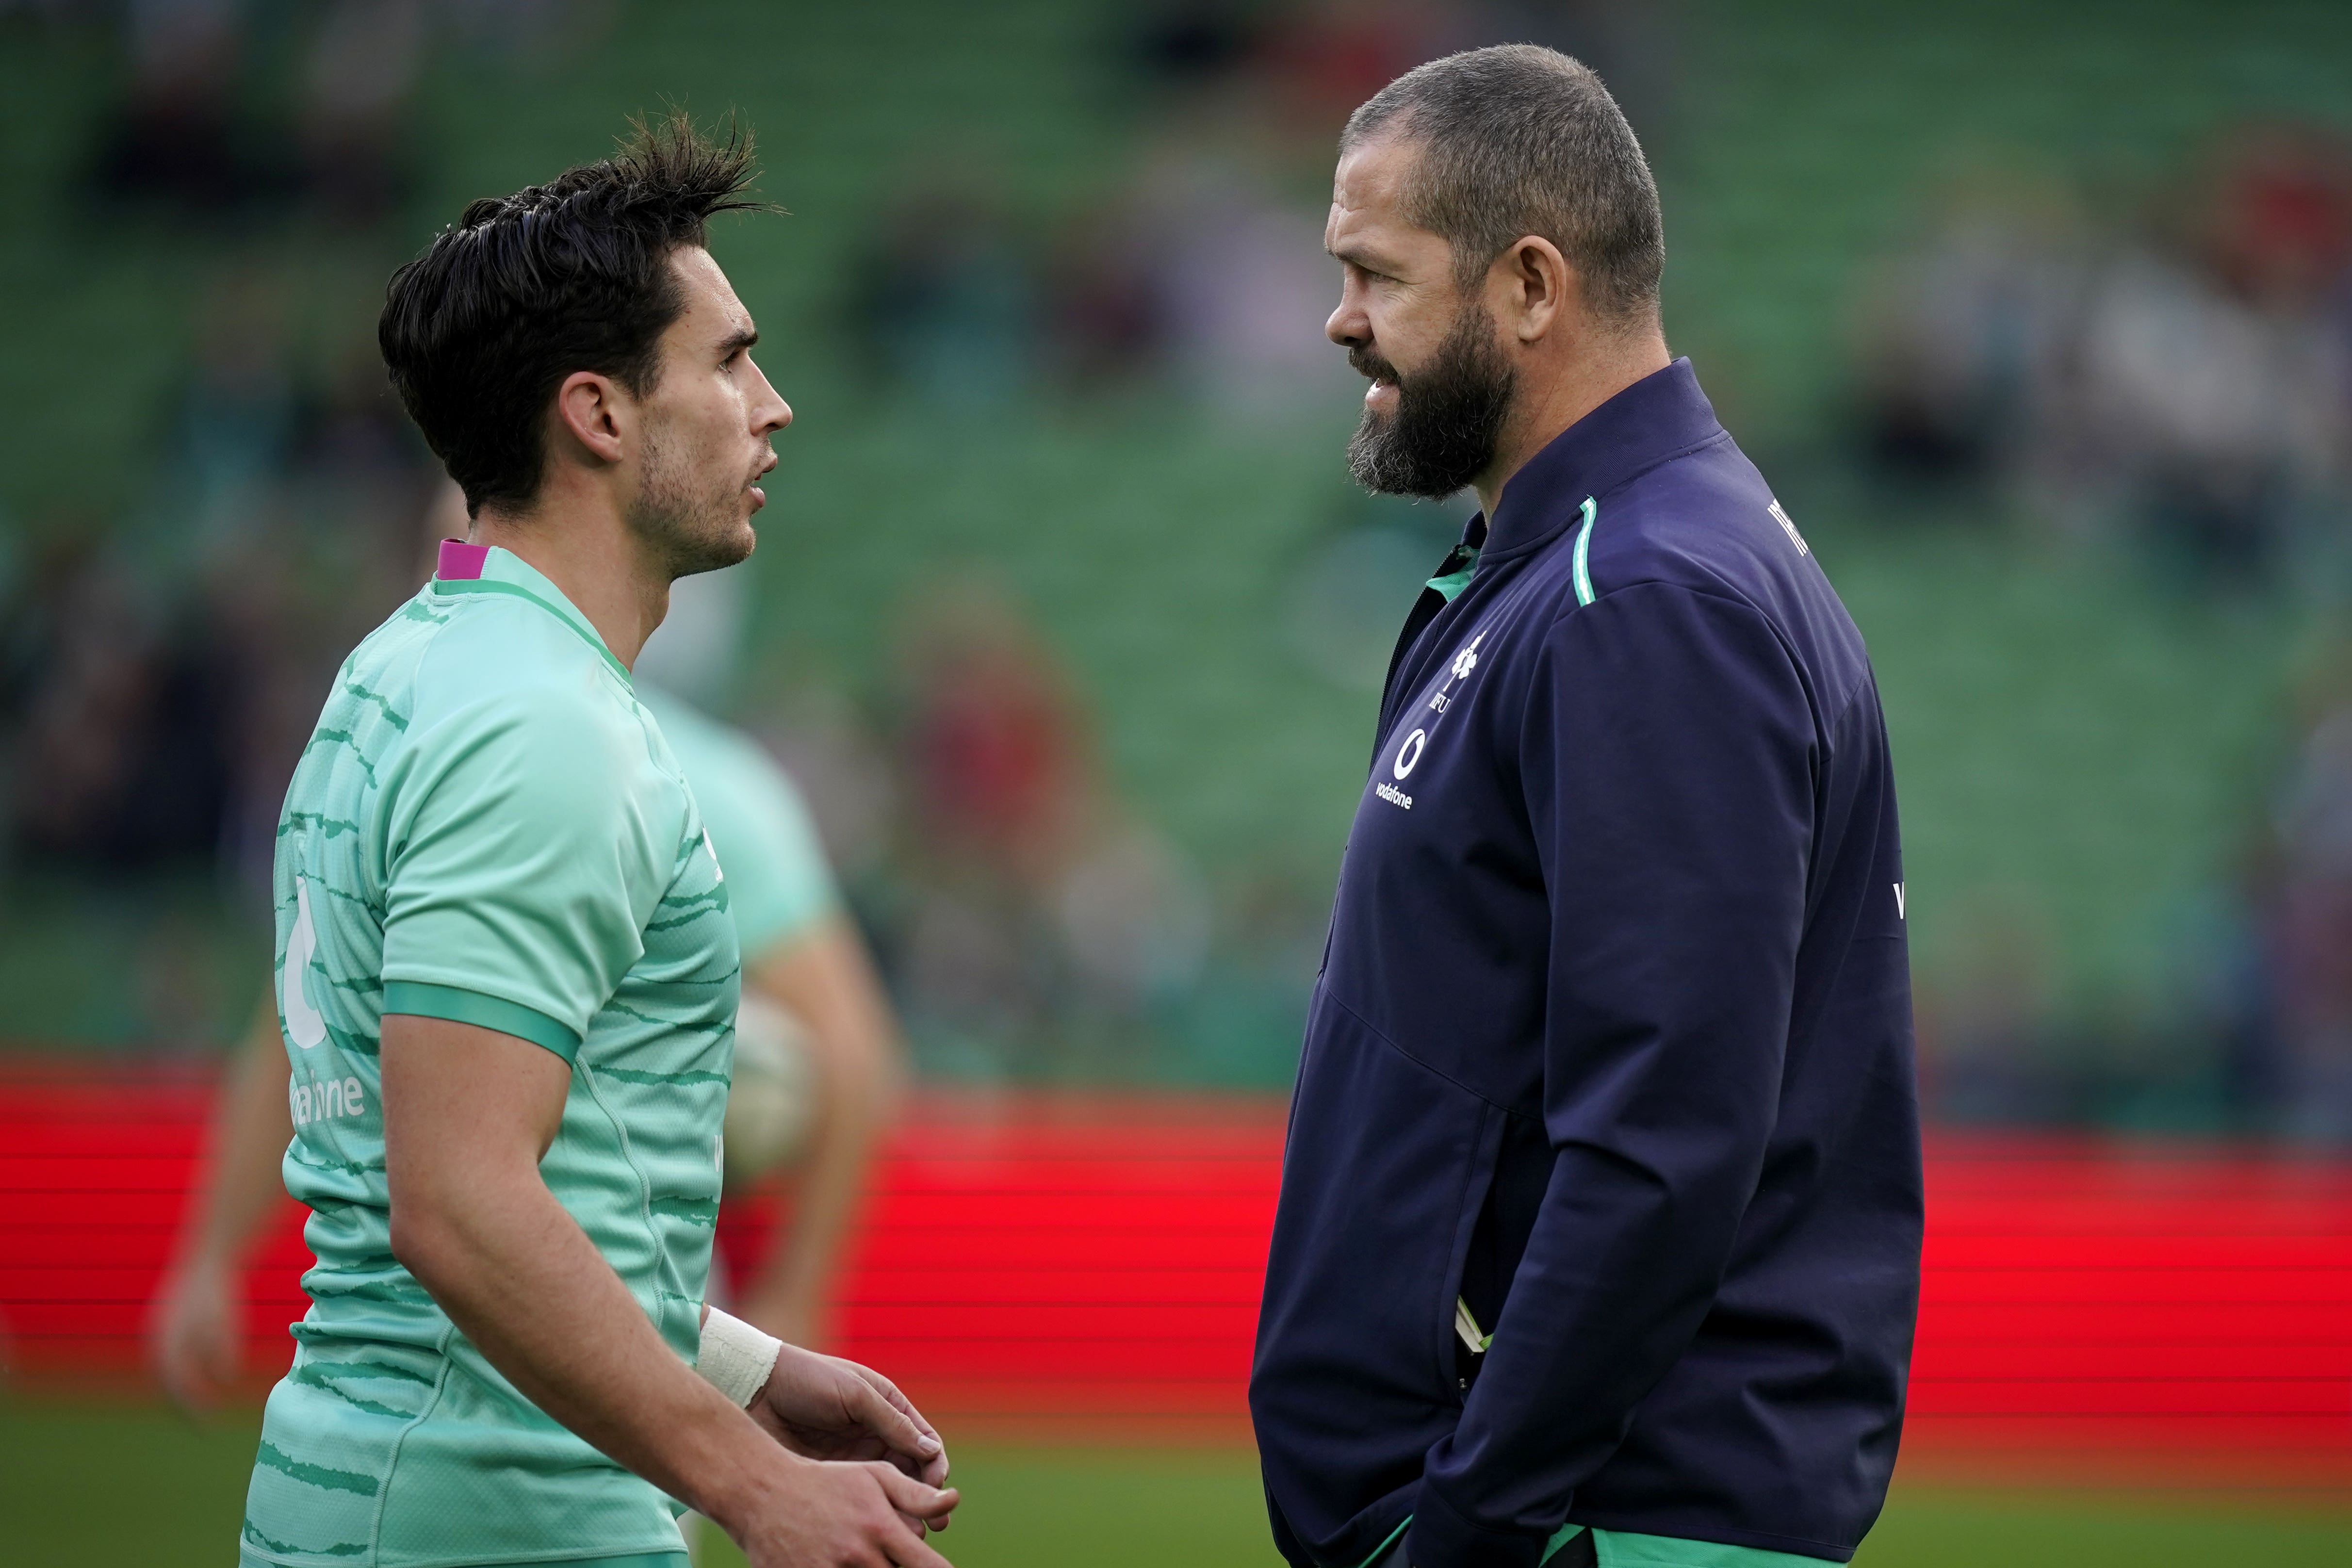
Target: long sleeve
pixel 1668 758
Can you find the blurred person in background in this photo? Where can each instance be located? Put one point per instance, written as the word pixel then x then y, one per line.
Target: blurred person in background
pixel 818 1064
pixel 2214 368
pixel 817 1060
pixel 2186 382
pixel 1961 335
pixel 942 303
pixel 1601 1203
pixel 2302 1076
pixel 1044 916
pixel 167 708
pixel 219 117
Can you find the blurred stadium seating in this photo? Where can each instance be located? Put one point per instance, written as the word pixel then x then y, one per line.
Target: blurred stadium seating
pixel 2086 751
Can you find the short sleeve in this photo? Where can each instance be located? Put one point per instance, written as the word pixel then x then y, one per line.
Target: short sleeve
pixel 778 883
pixel 520 866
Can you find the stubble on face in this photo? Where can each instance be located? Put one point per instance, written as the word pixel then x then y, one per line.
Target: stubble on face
pixel 1448 419
pixel 688 509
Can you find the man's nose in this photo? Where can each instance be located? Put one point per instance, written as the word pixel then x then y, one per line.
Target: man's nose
pixel 1347 326
pixel 771 412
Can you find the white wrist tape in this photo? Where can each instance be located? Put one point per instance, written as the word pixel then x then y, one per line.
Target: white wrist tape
pixel 736 1358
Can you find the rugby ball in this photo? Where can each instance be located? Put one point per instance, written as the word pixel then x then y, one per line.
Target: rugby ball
pixel 771 1107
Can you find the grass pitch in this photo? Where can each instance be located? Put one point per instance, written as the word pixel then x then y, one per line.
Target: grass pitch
pixel 114 1486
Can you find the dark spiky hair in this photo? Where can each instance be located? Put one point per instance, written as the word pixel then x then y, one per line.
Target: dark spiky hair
pixel 480 330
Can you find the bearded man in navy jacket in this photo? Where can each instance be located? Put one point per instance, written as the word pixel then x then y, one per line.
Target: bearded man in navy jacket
pixel 1599 1237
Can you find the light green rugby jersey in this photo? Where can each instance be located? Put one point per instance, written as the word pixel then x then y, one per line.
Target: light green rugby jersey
pixel 487 826
pixel 778 883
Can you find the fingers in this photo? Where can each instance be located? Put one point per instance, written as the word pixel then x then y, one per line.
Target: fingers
pixel 889 1391
pixel 910 1496
pixel 911 1553
pixel 931 1462
pixel 182 1380
pixel 885 1411
pixel 919 1507
pixel 933 1471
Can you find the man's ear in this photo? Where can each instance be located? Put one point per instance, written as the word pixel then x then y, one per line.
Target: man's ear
pixel 596 412
pixel 1540 288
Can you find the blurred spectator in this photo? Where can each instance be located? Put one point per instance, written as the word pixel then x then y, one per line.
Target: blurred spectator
pixel 943 301
pixel 2192 383
pixel 846 773
pixel 997 747
pixel 1034 902
pixel 2309 1084
pixel 1209 269
pixel 1986 1050
pixel 116 730
pixel 357 76
pixel 230 429
pixel 1323 58
pixel 198 128
pixel 1184 45
pixel 173 665
pixel 176 136
pixel 1961 335
pixel 2214 371
pixel 1239 279
pixel 1107 324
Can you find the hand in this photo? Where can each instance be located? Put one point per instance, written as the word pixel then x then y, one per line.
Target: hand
pixel 823 1407
pixel 195 1336
pixel 835 1515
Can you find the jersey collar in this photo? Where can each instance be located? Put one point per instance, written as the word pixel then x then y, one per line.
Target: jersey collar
pixel 467 568
pixel 1659 416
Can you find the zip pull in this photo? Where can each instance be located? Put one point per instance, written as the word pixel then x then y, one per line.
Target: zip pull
pixel 1467 1327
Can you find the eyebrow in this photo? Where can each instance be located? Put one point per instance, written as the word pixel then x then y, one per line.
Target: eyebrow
pixel 1362 255
pixel 740 338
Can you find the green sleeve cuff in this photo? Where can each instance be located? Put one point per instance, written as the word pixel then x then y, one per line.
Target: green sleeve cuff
pixel 420 1000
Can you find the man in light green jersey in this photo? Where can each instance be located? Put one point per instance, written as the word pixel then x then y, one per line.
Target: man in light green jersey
pixel 508 977
pixel 832 1041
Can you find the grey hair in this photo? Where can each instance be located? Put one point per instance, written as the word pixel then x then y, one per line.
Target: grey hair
pixel 1520 140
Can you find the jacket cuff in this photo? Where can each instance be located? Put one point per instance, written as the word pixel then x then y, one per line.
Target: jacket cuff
pixel 1441 1538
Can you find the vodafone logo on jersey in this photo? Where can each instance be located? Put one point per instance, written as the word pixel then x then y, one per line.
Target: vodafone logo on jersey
pixel 1408 756
pixel 1441 703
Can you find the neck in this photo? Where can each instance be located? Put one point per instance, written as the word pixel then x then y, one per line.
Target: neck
pixel 1556 398
pixel 584 545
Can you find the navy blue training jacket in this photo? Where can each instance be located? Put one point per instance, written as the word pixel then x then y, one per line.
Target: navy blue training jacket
pixel 1612 1042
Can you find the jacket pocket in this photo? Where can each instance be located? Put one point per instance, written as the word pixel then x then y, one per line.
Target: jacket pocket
pixel 1384 1179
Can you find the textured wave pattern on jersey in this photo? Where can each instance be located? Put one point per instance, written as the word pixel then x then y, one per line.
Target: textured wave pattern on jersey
pixel 487 826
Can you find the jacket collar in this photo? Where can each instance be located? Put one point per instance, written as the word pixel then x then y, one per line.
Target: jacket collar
pixel 1662 415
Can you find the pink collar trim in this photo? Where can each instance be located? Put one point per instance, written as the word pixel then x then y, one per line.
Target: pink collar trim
pixel 460 561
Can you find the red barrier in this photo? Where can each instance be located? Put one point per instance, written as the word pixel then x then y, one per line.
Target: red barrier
pixel 1085 1264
